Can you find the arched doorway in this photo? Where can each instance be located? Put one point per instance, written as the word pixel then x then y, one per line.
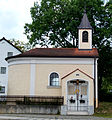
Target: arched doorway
pixel 77 95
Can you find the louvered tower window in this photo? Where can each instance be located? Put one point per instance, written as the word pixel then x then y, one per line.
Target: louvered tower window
pixel 85 36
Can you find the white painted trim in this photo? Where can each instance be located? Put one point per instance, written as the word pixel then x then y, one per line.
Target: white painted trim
pixel 33 60
pixel 79 39
pixel 96 80
pixel 93 71
pixel 91 40
pixel 53 87
pixel 88 91
pixel 66 92
pixel 32 79
pixel 49 78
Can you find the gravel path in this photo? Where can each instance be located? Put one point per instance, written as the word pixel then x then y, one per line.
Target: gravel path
pixel 47 117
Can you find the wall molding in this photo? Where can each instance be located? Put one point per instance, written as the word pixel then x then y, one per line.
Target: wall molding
pixel 32 79
pixel 32 60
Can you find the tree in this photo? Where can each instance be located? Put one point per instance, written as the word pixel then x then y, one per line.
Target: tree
pixel 105 53
pixel 105 66
pixel 21 45
pixel 55 23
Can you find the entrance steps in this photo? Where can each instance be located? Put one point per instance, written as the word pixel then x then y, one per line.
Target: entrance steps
pixel 77 113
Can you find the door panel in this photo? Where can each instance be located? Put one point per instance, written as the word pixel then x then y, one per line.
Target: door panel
pixel 77 95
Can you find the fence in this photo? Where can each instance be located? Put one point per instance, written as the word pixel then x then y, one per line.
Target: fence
pixel 33 100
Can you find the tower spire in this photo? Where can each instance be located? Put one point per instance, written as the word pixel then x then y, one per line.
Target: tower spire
pixel 85 24
pixel 85 33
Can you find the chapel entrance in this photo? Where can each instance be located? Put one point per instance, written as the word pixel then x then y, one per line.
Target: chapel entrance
pixel 77 95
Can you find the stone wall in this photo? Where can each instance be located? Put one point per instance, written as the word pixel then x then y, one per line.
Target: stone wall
pixel 39 109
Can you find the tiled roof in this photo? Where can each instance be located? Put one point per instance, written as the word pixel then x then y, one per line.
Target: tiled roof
pixel 58 52
pixel 85 24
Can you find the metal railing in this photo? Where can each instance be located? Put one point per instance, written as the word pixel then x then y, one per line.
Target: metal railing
pixel 33 100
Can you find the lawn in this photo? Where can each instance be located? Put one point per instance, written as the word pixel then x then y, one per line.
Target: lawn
pixel 104 110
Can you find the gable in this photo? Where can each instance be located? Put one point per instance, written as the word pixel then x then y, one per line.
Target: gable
pixel 77 74
pixel 3 40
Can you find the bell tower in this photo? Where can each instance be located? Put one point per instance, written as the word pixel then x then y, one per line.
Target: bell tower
pixel 85 33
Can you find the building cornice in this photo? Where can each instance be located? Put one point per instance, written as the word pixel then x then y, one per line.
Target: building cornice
pixel 31 60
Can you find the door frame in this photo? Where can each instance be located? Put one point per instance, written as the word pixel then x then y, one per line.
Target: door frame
pixel 75 80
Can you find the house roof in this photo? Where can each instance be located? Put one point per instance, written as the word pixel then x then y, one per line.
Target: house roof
pixel 85 24
pixel 10 43
pixel 75 71
pixel 59 52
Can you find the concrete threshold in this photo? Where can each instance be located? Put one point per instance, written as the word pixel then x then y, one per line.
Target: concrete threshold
pixel 77 113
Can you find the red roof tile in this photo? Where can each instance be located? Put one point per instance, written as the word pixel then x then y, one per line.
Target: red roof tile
pixel 58 52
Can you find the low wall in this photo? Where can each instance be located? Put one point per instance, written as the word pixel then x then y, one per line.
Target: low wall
pixel 39 109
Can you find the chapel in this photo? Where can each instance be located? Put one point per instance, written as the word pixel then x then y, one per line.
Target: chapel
pixel 67 72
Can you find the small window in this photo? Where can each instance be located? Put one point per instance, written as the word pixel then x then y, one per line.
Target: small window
pixel 9 54
pixel 2 89
pixel 85 36
pixel 3 70
pixel 54 79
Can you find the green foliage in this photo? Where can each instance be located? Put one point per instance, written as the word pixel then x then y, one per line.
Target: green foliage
pixel 21 45
pixel 105 67
pixel 55 23
pixel 104 110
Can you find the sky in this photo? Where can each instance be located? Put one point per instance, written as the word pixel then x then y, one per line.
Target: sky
pixel 13 16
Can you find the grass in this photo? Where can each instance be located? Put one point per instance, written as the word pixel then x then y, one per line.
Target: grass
pixel 104 110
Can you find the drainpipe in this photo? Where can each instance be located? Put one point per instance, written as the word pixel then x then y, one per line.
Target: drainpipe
pixel 95 82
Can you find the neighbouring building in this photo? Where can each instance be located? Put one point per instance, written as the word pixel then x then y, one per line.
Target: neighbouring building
pixel 67 72
pixel 7 49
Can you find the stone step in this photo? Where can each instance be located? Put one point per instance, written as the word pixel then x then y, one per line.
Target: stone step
pixel 77 113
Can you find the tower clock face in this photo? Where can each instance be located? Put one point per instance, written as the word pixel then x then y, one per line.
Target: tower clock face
pixel 85 36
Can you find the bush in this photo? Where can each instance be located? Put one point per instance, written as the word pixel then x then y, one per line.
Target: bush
pixel 105 96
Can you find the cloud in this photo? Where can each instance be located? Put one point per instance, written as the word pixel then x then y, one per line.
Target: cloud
pixel 13 16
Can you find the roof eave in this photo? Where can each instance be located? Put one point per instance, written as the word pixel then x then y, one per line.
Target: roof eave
pixel 53 57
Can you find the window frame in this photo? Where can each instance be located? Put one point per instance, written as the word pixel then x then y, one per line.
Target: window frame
pixel 83 35
pixel 2 89
pixel 9 53
pixel 49 83
pixel 2 72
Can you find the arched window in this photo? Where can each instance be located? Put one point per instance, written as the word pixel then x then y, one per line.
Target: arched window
pixel 85 36
pixel 54 79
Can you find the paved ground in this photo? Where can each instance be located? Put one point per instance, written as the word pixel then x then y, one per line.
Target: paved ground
pixel 47 117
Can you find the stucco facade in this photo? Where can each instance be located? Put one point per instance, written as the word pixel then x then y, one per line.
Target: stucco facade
pixel 19 80
pixel 22 73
